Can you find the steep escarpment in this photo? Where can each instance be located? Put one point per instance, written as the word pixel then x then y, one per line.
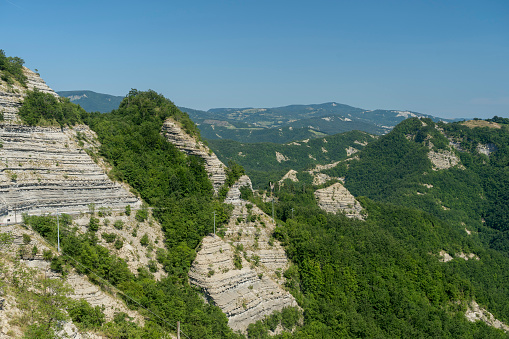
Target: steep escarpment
pixel 336 198
pixel 43 169
pixel 242 271
pixel 188 144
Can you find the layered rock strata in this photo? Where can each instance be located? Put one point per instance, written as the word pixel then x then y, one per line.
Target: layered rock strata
pixel 336 198
pixel 233 195
pixel 82 288
pixel 43 169
pixel 252 290
pixel 11 96
pixel 189 145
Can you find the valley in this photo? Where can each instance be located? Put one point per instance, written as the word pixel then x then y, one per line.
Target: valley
pixel 139 220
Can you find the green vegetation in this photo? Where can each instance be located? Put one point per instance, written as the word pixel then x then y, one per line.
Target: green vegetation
pixel 11 69
pixel 262 166
pixel 44 109
pixel 178 188
pixel 382 277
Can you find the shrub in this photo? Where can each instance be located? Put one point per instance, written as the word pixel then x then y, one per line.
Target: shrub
pixel 26 239
pixel 128 210
pixel 86 316
pixel 93 224
pixel 237 261
pixel 119 224
pixel 152 266
pixel 118 244
pixel 142 214
pixel 109 237
pixel 144 240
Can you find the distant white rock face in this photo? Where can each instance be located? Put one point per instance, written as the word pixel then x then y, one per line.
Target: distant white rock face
pixel 336 198
pixel 443 159
pixel 405 114
pixel 476 313
pixel 486 149
pixel 292 175
pixel 189 145
pixel 350 150
pixel 280 157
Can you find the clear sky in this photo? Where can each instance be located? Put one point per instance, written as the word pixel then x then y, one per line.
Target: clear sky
pixel 448 58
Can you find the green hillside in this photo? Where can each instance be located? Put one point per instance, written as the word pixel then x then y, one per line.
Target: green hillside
pixel 261 162
pixel 382 278
pixel 92 101
pixel 425 187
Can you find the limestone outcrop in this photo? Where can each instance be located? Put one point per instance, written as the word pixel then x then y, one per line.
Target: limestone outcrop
pixel 233 195
pixel 43 169
pixel 11 96
pixel 189 145
pixel 82 288
pixel 476 313
pixel 336 198
pixel 443 159
pixel 291 174
pixel 242 272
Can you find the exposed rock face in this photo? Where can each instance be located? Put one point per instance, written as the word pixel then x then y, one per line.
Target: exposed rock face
pixel 337 198
pixel 189 145
pixel 292 175
pixel 350 150
pixel 44 168
pixel 486 149
pixel 82 287
pixel 475 313
pixel 248 294
pixel 280 157
pixel 446 257
pixel 11 97
pixel 443 159
pixel 322 178
pixel 233 195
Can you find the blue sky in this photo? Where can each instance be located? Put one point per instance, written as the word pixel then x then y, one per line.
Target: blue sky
pixel 442 57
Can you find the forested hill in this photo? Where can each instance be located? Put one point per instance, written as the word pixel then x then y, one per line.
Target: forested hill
pixel 431 255
pixel 276 124
pixel 92 101
pixel 266 161
pixel 288 123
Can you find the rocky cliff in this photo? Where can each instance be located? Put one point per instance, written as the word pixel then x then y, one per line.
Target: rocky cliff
pixel 191 146
pixel 242 272
pixel 336 198
pixel 11 96
pixel 43 169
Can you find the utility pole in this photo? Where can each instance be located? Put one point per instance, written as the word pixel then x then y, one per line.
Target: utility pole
pixel 272 195
pixel 178 329
pixel 214 223
pixel 58 233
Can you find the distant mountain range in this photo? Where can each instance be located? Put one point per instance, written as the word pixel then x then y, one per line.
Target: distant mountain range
pixel 92 101
pixel 277 124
